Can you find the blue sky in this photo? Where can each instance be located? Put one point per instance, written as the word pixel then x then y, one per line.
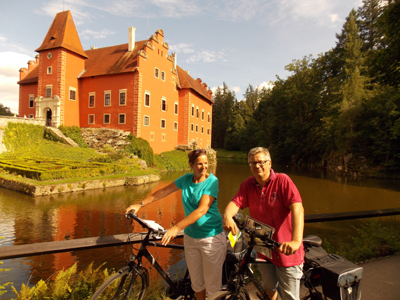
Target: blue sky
pixel 239 42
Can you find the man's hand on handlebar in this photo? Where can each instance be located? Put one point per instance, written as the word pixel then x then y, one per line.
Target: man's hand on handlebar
pixel 289 248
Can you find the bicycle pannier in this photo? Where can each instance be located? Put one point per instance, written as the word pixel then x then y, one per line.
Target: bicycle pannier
pixel 340 278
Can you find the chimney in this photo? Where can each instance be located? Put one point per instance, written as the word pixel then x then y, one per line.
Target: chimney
pixel 174 59
pixel 37 59
pixel 131 45
pixel 22 73
pixel 31 65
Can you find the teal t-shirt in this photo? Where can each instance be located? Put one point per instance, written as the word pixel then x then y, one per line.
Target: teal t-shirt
pixel 211 223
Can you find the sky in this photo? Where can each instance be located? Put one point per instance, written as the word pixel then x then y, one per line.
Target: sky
pixel 239 42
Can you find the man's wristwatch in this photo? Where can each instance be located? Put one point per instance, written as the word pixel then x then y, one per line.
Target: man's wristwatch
pixel 141 203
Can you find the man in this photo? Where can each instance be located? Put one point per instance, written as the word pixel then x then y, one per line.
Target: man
pixel 273 199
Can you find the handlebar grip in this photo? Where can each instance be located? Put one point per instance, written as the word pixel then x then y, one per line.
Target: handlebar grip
pixel 130 214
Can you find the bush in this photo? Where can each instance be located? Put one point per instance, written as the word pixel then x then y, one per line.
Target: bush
pixel 22 136
pixel 67 285
pixel 141 148
pixel 172 160
pixel 74 133
pixel 3 286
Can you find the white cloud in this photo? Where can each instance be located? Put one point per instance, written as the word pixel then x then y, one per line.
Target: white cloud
pixel 88 34
pixel 206 56
pixel 181 48
pixel 10 63
pixel 267 84
pixel 236 89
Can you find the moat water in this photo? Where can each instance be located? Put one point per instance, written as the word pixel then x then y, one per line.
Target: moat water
pixel 25 219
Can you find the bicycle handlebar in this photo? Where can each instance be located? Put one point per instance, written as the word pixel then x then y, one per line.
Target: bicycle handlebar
pixel 270 243
pixel 131 215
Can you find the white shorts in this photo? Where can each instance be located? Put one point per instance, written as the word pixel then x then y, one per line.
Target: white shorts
pixel 204 258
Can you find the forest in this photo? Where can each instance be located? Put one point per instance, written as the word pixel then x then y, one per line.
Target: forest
pixel 340 108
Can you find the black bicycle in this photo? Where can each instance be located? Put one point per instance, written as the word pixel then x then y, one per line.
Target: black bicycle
pixel 341 278
pixel 132 281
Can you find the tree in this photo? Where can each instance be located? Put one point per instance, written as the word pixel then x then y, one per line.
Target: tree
pixel 5 111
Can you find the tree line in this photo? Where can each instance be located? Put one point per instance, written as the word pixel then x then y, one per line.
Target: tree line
pixel 345 102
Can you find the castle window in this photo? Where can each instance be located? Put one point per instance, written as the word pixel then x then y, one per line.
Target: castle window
pixel 91 119
pixel 31 97
pixel 92 98
pixel 106 119
pixel 202 129
pixel 164 104
pixel 208 131
pixel 49 91
pixel 202 114
pixel 192 110
pixel 197 128
pixel 209 117
pixel 151 136
pixel 147 99
pixel 146 121
pixel 162 75
pixel 163 123
pixel 72 94
pixel 175 125
pixel 156 71
pixel 107 98
pixel 191 127
pixel 30 116
pixel 121 119
pixel 197 112
pixel 48 70
pixel 163 137
pixel 122 97
pixel 176 108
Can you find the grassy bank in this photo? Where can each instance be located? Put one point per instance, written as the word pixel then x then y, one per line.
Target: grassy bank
pixel 222 153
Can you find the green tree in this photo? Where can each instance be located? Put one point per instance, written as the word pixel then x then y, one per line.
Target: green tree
pixel 5 111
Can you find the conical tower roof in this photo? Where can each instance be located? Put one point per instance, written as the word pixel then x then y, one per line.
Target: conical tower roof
pixel 62 33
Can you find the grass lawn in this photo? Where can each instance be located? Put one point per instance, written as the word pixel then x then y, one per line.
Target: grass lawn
pixel 222 153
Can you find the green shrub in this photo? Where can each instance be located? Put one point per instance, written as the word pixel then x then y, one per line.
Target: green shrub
pixel 50 136
pixel 22 136
pixel 74 133
pixel 141 148
pixel 67 285
pixel 3 286
pixel 172 160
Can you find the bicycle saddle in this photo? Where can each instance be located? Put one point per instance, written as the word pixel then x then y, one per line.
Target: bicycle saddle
pixel 312 240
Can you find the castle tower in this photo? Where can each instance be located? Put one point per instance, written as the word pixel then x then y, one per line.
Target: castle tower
pixel 57 98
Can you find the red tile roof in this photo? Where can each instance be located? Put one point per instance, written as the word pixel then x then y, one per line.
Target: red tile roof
pixel 112 60
pixel 62 33
pixel 188 82
pixel 31 77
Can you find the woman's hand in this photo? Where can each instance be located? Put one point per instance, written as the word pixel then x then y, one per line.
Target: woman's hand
pixel 169 235
pixel 135 207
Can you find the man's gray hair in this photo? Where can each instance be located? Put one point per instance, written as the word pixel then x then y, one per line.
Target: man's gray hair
pixel 256 150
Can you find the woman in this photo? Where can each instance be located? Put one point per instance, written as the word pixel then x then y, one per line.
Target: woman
pixel 204 238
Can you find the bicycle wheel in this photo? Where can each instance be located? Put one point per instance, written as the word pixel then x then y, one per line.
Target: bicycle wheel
pixel 121 284
pixel 229 295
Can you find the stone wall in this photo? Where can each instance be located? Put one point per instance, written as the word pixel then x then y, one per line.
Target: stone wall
pixel 98 138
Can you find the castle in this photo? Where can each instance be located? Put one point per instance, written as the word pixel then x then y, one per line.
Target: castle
pixel 135 87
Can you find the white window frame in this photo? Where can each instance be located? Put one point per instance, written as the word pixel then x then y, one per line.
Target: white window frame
pixel 145 94
pixel 109 118
pixel 192 110
pixel 33 100
pixel 209 118
pixel 208 131
pixel 119 118
pixel 30 116
pixel 163 137
pixel 94 99
pixel 94 119
pixel 156 72
pixel 162 75
pixel 197 112
pixel 105 94
pixel 151 136
pixel 123 91
pixel 148 121
pixel 202 114
pixel 165 124
pixel 49 87
pixel 49 70
pixel 175 126
pixel 176 108
pixel 202 129
pixel 72 89
pixel 192 127
pixel 197 128
pixel 163 99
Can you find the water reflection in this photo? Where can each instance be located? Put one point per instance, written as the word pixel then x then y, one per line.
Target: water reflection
pixel 26 219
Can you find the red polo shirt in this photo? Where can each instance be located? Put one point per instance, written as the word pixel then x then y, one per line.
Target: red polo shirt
pixel 270 205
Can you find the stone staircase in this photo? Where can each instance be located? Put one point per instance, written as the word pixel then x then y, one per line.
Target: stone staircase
pixel 59 134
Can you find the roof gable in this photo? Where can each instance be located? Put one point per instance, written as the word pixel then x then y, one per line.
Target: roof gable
pixel 63 34
pixel 188 82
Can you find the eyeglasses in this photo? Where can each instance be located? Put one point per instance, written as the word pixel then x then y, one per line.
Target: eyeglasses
pixel 258 163
pixel 197 151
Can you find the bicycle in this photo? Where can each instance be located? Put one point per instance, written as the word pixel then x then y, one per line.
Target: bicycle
pixel 132 281
pixel 241 273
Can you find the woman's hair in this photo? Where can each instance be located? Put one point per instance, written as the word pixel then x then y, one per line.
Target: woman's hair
pixel 193 155
pixel 257 150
